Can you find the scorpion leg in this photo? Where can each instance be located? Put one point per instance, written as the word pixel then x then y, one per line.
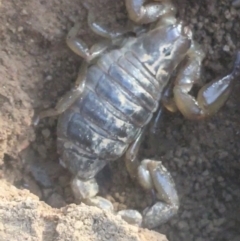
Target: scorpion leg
pixel 86 191
pixel 167 98
pixel 131 160
pixel 211 97
pixel 143 13
pixel 154 177
pixel 106 32
pixel 156 120
pixel 79 47
pixel 68 99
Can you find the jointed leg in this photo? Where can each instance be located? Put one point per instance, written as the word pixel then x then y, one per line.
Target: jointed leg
pixel 131 160
pixel 79 47
pixel 167 99
pixel 86 191
pixel 105 32
pixel 143 13
pixel 68 99
pixel 156 120
pixel 153 176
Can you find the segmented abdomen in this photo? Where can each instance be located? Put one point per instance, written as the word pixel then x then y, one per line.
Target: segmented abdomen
pixel 119 98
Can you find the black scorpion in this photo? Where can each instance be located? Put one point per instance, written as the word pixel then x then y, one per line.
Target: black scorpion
pixel 118 91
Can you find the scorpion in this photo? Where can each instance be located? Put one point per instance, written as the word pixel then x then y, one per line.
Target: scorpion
pixel 122 85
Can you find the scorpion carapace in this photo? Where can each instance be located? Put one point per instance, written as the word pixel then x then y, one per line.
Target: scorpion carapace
pixel 118 91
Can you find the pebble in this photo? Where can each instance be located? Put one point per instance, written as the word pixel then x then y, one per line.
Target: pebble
pixel 42 151
pixel 200 239
pixel 183 225
pixel 218 222
pixel 78 225
pixel 40 174
pixel 20 29
pixel 131 216
pixel 226 48
pixel 32 186
pixel 64 180
pixel 56 201
pixel 46 133
pixel 47 192
pixel 49 78
pixel 99 202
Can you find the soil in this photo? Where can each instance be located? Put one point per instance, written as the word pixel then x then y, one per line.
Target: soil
pixel 37 68
pixel 23 217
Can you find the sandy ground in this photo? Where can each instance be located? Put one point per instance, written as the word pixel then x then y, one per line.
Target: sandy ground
pixel 23 217
pixel 36 68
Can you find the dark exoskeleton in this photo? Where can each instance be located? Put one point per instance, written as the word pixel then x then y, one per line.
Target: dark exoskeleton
pixel 117 93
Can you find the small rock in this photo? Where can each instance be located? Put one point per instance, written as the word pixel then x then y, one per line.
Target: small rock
pixel 183 225
pixel 20 29
pixel 42 151
pixel 49 78
pixel 32 186
pixel 63 181
pixel 205 173
pixel 78 225
pixel 99 202
pixel 200 239
pixel 56 201
pixel 131 216
pixel 47 192
pixel 218 222
pixel 40 174
pixel 226 48
pixel 46 133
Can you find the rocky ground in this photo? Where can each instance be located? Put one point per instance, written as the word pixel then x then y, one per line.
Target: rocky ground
pixel 36 68
pixel 23 217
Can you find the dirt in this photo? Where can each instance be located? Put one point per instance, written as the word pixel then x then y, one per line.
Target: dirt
pixel 37 68
pixel 24 217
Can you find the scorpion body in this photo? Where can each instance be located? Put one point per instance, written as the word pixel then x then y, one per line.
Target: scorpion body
pixel 120 95
pixel 116 95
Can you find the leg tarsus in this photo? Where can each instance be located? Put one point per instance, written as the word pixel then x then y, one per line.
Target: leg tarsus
pixel 156 120
pixel 167 98
pixel 64 103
